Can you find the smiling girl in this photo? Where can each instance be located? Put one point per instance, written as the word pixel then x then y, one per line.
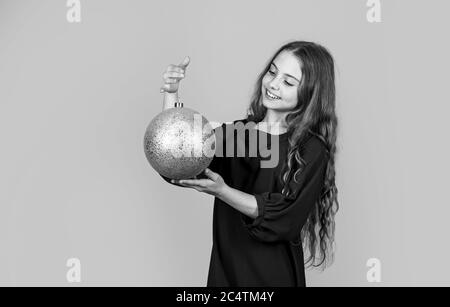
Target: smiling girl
pixel 266 219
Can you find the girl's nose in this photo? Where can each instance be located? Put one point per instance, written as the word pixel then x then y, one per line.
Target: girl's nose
pixel 274 84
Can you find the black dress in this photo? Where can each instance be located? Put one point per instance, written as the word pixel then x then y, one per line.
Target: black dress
pixel 265 251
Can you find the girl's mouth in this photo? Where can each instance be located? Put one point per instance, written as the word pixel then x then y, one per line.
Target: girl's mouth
pixel 272 96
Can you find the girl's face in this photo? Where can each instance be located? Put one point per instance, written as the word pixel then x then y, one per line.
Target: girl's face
pixel 281 82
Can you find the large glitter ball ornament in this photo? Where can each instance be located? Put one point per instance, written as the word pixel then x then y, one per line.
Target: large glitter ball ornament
pixel 179 143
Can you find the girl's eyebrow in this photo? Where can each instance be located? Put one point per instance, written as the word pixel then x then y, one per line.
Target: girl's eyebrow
pixel 286 74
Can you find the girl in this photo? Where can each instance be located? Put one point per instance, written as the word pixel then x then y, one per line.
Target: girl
pixel 266 218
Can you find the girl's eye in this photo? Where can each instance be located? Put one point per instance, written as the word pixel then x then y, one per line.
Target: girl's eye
pixel 273 73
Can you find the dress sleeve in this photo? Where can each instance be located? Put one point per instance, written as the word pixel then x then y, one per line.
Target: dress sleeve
pixel 281 218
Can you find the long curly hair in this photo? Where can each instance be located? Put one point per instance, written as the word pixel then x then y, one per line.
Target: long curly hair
pixel 315 114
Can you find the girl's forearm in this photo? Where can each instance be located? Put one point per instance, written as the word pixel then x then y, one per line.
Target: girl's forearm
pixel 243 202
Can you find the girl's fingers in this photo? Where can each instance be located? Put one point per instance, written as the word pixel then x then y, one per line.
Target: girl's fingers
pixel 195 182
pixel 175 68
pixel 171 80
pixel 173 74
pixel 185 62
pixel 165 87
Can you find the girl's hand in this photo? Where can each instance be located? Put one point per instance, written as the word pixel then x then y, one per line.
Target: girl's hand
pixel 214 185
pixel 173 75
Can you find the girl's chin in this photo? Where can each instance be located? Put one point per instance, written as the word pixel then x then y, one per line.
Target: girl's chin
pixel 276 106
pixel 271 103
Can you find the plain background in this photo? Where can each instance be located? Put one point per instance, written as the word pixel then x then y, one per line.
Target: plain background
pixel 75 99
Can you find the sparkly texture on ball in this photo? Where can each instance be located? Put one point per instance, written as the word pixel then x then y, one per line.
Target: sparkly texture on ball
pixel 179 143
